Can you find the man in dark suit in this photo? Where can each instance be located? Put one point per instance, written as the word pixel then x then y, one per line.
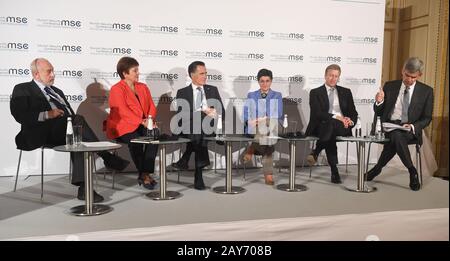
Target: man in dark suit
pixel 202 103
pixel 406 102
pixel 42 110
pixel 332 114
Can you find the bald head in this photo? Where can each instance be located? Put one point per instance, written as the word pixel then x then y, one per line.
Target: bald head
pixel 42 71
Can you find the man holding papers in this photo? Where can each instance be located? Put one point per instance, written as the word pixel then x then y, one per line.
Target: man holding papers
pixel 408 103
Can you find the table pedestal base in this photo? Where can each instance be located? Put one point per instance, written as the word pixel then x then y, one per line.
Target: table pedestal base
pixel 365 190
pixel 233 190
pixel 156 195
pixel 97 209
pixel 296 188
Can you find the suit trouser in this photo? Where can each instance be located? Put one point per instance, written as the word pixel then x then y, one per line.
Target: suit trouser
pixel 143 155
pixel 327 140
pixel 398 144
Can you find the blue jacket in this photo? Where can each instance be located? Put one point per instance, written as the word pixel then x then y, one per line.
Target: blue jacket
pixel 257 107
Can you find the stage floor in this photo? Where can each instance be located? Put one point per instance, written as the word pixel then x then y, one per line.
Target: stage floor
pixel 24 215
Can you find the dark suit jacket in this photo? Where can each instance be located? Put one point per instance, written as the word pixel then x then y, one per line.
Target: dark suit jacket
pixel 318 102
pixel 26 103
pixel 420 108
pixel 211 92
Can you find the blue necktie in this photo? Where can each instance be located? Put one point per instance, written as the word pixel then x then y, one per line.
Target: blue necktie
pixel 55 100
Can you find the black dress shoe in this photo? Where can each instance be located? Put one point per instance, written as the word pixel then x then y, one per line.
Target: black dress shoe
pixel 414 183
pixel 181 164
pixel 115 162
pixel 81 195
pixel 369 176
pixel 335 178
pixel 199 184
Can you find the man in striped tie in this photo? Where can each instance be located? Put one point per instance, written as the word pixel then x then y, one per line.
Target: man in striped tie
pixel 42 110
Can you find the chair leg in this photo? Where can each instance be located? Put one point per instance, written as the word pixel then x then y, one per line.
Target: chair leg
pixel 310 167
pixel 368 158
pixel 42 173
pixel 95 173
pixel 179 157
pixel 70 169
pixel 279 160
pixel 418 154
pixel 215 158
pixel 346 160
pixel 18 168
pixel 113 178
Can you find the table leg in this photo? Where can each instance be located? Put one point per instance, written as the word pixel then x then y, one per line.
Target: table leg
pixel 228 188
pixel 360 186
pixel 292 187
pixel 89 209
pixel 163 194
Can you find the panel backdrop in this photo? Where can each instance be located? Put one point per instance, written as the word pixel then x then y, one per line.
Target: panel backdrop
pixel 296 39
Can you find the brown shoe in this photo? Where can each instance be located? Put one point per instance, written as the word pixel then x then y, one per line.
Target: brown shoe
pixel 268 179
pixel 248 155
pixel 311 159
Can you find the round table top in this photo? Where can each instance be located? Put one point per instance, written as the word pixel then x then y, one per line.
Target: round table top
pixel 148 140
pixel 363 139
pixel 307 138
pixel 229 138
pixel 89 147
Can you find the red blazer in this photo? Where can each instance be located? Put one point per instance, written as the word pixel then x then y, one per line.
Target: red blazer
pixel 126 111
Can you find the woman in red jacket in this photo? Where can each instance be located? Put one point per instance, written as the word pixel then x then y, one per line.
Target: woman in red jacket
pixel 130 105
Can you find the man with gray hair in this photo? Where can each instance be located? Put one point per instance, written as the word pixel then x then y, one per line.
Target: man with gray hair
pixel 42 110
pixel 409 103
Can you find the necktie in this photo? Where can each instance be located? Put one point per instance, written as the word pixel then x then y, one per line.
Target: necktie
pixel 198 100
pixel 331 100
pixel 405 106
pixel 55 100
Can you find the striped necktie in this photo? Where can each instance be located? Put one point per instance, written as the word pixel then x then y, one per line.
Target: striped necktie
pixel 55 100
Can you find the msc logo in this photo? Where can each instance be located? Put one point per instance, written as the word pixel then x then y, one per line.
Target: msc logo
pixel 70 23
pixel 169 76
pixel 213 54
pixel 370 39
pixel 169 29
pixel 369 80
pixel 72 73
pixel 119 26
pixel 295 79
pixel 214 77
pixel 74 97
pixel 337 38
pixel 20 71
pixel 169 52
pixel 17 20
pixel 369 60
pixel 252 78
pixel 121 50
pixel 255 56
pixel 295 57
pixel 213 31
pixel 18 46
pixel 296 36
pixel 71 48
pixel 336 59
pixel 259 34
